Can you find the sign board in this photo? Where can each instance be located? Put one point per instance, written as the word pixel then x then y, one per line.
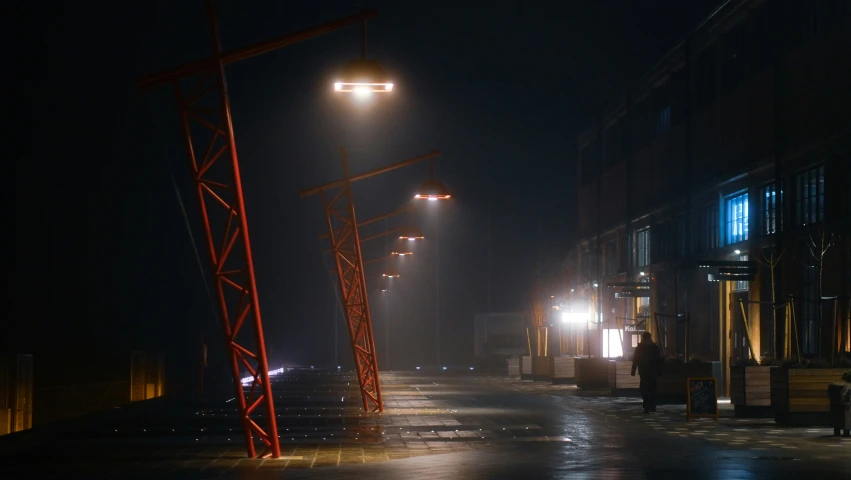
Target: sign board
pixel 640 293
pixel 633 328
pixel 702 398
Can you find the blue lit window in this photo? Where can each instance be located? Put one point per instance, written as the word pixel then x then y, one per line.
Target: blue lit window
pixel 772 201
pixel 737 219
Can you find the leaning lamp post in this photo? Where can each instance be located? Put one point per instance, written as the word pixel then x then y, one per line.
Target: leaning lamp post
pixel 201 93
pixel 342 231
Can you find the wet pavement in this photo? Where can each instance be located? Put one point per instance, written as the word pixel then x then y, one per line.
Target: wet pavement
pixel 439 425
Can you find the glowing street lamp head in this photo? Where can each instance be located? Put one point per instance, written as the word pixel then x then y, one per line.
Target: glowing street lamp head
pixel 390 275
pixel 411 234
pixel 363 78
pixel 401 254
pixel 433 190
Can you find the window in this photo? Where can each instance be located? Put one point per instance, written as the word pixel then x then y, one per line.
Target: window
pixel 737 219
pixel 668 240
pixel 709 228
pixel 612 343
pixel 663 120
pixel 659 243
pixel 741 285
pixel 642 247
pixel 643 308
pixel 771 209
pixel 610 251
pixel 623 254
pixel 809 196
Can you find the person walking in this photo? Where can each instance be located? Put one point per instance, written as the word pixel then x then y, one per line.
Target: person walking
pixel 648 360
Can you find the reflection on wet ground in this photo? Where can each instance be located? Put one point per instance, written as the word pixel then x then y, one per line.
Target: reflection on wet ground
pixel 435 426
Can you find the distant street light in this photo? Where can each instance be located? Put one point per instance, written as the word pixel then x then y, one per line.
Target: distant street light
pixel 433 189
pixel 401 254
pixel 411 234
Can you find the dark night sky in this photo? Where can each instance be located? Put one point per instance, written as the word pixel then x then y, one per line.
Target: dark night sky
pixel 103 262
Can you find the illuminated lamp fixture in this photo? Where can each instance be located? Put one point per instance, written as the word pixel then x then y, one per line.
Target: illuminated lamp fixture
pixel 401 254
pixel 362 78
pixel 390 274
pixel 411 234
pixel 432 189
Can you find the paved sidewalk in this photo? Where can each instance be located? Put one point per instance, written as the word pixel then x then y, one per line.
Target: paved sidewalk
pixel 761 436
pixel 435 426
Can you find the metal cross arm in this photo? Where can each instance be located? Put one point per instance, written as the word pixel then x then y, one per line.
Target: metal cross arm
pixel 233 56
pixel 404 209
pixel 378 171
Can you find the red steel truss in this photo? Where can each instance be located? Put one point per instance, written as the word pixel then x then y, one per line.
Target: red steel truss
pixel 208 130
pixel 345 244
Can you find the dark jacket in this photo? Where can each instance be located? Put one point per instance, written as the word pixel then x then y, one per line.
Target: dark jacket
pixel 648 359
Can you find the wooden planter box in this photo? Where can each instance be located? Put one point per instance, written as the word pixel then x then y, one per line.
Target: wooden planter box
pixel 750 391
pixel 592 373
pixel 799 395
pixel 672 383
pixel 621 381
pixel 513 367
pixel 564 370
pixel 542 369
pixel 526 367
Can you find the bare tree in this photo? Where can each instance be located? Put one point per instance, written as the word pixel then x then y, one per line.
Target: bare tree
pixel 818 243
pixel 536 318
pixel 771 263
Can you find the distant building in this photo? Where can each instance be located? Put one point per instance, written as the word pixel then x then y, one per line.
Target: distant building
pixel 499 335
pixel 735 147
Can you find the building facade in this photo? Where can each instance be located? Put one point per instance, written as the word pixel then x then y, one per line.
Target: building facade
pixel 735 147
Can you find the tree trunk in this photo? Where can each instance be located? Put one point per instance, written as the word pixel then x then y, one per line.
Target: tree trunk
pixel 771 266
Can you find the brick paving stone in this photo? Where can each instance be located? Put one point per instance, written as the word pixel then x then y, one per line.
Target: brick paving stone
pixel 435 426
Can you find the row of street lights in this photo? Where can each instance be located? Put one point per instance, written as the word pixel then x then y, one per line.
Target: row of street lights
pixel 207 127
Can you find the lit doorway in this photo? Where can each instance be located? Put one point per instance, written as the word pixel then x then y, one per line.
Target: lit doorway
pixel 738 337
